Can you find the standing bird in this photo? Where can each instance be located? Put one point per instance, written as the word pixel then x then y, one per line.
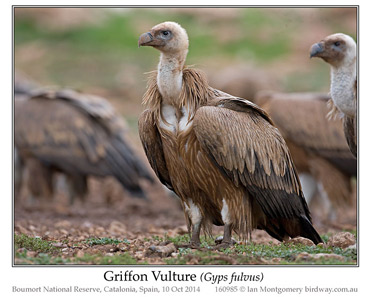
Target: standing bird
pixel 340 51
pixel 79 135
pixel 220 154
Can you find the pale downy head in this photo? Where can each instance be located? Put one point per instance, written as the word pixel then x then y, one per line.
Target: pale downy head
pixel 167 37
pixel 337 49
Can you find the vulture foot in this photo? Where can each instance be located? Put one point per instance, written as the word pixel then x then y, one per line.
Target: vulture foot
pixel 226 240
pixel 223 244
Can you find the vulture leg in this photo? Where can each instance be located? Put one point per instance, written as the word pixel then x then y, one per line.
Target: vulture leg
pixel 39 180
pixel 195 239
pixel 334 187
pixel 194 222
pixel 77 187
pixel 227 240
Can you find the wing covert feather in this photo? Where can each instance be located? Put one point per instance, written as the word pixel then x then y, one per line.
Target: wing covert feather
pixel 302 118
pixel 253 154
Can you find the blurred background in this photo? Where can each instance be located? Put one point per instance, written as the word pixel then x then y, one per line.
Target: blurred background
pixel 242 50
pixel 95 49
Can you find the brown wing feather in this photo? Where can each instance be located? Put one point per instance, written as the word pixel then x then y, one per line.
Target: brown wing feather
pixel 152 144
pixel 252 152
pixel 70 138
pixel 302 120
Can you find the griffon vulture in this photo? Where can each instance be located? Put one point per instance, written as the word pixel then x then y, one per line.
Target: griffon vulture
pixel 340 51
pixel 317 146
pixel 221 154
pixel 79 135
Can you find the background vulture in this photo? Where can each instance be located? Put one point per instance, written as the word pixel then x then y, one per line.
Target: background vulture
pixel 222 155
pixel 317 146
pixel 76 134
pixel 340 51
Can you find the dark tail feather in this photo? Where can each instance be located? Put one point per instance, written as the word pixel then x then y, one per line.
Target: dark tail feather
pixel 350 131
pixel 126 152
pixel 138 193
pixel 125 174
pixel 308 230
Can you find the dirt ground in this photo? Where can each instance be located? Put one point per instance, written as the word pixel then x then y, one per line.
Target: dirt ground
pixel 138 224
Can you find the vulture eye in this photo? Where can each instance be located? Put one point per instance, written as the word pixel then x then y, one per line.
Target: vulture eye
pixel 337 43
pixel 165 33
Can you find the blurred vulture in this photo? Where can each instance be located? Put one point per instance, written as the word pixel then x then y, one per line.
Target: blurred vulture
pixel 77 134
pixel 318 146
pixel 221 154
pixel 340 51
pixel 243 80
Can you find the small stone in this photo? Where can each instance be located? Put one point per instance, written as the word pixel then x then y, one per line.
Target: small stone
pixel 161 251
pixel 64 231
pixel 307 257
pixel 193 261
pixel 276 260
pixel 138 255
pixel 99 231
pixel 122 246
pixel 46 236
pixel 63 224
pixel 117 227
pixel 20 229
pixel 59 244
pixel 80 254
pixel 302 256
pixel 31 254
pixel 301 240
pixel 342 240
pixel 328 256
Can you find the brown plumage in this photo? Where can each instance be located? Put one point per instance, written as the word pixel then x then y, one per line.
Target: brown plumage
pixel 221 154
pixel 318 146
pixel 243 80
pixel 77 134
pixel 340 51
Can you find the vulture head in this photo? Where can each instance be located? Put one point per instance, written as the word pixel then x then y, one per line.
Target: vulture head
pixel 167 37
pixel 336 49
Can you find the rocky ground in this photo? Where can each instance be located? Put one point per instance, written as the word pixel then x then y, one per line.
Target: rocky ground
pixel 126 230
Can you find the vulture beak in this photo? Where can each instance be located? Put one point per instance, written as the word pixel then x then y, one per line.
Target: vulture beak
pixel 316 49
pixel 145 39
